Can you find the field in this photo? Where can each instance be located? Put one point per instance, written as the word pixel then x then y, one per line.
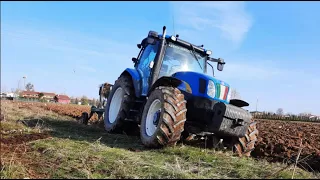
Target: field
pixel 44 140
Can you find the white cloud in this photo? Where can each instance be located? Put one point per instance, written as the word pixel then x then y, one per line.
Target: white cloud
pixel 230 19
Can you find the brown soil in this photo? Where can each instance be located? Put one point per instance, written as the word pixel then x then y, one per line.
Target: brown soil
pixel 14 149
pixel 280 141
pixel 23 138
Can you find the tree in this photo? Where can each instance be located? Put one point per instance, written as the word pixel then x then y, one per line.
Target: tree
pixel 305 114
pixel 280 111
pixel 29 87
pixel 41 95
pixel 72 100
pixel 289 114
pixel 84 100
pixel 94 102
pixel 235 94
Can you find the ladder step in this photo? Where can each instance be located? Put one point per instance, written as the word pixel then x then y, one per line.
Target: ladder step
pixel 139 101
pixel 126 119
pixel 133 110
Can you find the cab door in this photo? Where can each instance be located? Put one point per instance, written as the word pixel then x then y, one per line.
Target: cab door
pixel 145 64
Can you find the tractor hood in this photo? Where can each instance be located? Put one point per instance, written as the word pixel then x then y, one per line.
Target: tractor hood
pixel 199 82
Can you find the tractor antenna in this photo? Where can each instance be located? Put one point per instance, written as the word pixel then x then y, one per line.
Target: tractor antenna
pixel 174 32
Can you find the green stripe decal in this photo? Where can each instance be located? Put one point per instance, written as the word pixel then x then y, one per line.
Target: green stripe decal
pixel 218 91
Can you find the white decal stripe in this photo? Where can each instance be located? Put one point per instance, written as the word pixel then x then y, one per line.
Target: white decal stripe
pixel 222 90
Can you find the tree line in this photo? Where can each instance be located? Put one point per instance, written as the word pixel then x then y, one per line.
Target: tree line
pixel 279 115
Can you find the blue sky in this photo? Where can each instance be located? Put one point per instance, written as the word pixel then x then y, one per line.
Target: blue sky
pixel 271 48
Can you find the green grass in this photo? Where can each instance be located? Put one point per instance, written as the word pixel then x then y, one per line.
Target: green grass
pixel 79 151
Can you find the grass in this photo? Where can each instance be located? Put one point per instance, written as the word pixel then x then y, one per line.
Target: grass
pixel 78 151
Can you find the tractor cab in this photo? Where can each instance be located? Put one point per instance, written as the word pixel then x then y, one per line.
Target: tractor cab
pixel 178 55
pixel 163 57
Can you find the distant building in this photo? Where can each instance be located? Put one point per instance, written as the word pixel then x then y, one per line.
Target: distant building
pixel 63 99
pixel 314 117
pixel 48 96
pixel 35 95
pixel 12 94
pixel 3 95
pixel 29 94
pixel 9 95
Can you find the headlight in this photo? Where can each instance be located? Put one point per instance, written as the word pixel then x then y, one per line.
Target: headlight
pixel 229 95
pixel 211 89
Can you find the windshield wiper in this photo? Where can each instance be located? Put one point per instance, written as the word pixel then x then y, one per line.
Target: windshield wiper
pixel 194 54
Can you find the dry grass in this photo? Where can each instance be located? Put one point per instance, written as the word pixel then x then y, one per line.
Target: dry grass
pixel 78 151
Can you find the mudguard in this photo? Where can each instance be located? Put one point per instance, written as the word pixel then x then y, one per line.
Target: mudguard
pixel 171 81
pixel 238 103
pixel 136 79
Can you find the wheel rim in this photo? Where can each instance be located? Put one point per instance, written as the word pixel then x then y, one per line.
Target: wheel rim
pixel 153 117
pixel 115 104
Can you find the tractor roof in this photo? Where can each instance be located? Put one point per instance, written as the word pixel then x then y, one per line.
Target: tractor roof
pixel 185 43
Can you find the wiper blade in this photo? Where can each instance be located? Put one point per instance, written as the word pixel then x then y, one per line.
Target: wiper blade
pixel 194 54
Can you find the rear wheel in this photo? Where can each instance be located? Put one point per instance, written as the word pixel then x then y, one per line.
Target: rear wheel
pixel 118 104
pixel 245 145
pixel 163 117
pixel 84 118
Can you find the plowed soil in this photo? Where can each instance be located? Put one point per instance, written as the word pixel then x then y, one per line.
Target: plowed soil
pixel 23 138
pixel 14 149
pixel 280 141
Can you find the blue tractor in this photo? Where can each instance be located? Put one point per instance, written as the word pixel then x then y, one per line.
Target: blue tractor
pixel 170 97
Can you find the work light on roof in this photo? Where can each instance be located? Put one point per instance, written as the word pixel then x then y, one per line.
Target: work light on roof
pixel 208 52
pixel 173 38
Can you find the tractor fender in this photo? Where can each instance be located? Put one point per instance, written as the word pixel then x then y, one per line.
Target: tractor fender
pixel 173 82
pixel 136 79
pixel 239 103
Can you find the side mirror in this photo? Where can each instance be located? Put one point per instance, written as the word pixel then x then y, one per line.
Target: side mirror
pixel 134 60
pixel 139 46
pixel 220 66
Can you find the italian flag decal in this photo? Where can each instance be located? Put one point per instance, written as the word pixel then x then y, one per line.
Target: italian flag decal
pixel 222 91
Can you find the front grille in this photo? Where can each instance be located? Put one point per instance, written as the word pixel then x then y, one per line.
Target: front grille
pixel 222 91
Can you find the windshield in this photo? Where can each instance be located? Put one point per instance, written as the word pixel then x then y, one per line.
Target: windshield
pixel 177 58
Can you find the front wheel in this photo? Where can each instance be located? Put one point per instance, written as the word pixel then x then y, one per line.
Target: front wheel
pixel 163 117
pixel 245 145
pixel 118 104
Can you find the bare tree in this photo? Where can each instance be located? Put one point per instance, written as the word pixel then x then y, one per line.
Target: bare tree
pixel 235 94
pixel 280 111
pixel 94 102
pixel 84 100
pixel 305 114
pixel 29 87
pixel 289 114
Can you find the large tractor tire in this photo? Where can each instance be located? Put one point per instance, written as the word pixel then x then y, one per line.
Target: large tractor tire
pixel 245 145
pixel 163 117
pixel 118 105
